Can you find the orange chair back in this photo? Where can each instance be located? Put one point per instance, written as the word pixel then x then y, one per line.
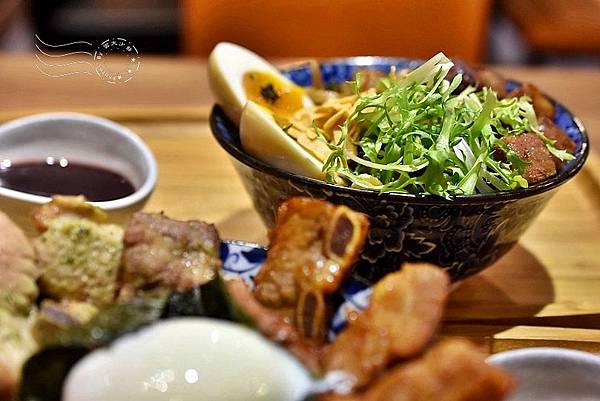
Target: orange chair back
pixel 329 28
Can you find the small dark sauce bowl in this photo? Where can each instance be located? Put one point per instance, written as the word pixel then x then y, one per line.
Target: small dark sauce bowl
pixel 464 234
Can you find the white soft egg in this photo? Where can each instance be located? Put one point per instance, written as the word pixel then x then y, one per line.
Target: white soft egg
pixel 188 359
pixel 228 63
pixel 264 139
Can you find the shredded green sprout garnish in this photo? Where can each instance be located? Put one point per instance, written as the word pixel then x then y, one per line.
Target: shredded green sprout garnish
pixel 416 136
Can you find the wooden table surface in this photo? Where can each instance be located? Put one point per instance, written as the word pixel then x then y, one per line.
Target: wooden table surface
pixel 546 291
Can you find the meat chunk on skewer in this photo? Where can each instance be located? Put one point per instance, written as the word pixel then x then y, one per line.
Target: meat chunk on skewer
pixel 162 252
pixel 403 314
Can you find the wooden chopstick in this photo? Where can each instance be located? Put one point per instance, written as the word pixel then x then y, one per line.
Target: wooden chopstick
pixel 580 321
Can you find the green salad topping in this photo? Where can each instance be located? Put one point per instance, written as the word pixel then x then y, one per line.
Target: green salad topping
pixel 417 136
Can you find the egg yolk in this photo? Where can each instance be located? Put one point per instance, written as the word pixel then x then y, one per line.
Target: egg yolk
pixel 271 92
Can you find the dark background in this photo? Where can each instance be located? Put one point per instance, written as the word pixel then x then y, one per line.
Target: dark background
pixel 516 31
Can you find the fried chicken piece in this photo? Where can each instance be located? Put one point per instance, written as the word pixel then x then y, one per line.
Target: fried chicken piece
pixel 79 256
pixel 532 149
pixel 403 313
pixel 273 326
pixel 541 104
pixel 452 370
pixel 79 259
pixel 160 251
pixel 18 271
pixel 75 206
pixel 311 250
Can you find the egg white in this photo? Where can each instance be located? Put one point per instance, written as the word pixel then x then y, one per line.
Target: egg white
pixel 188 359
pixel 227 65
pixel 260 135
pixel 264 139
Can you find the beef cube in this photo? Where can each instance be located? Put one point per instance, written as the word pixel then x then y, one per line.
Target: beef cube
pixel 532 149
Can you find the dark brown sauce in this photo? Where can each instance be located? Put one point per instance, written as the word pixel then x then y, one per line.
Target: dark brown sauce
pixel 59 177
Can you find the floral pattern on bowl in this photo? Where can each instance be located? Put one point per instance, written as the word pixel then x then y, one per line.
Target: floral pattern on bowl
pixel 463 235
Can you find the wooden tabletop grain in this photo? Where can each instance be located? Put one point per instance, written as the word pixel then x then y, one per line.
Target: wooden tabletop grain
pixel 546 291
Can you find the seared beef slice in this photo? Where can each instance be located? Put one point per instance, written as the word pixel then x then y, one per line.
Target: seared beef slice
pixel 530 148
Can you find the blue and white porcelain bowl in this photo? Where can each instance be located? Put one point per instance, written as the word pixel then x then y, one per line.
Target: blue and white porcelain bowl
pixel 464 234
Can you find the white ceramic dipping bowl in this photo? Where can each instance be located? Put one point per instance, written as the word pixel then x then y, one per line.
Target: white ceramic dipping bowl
pixel 552 374
pixel 79 138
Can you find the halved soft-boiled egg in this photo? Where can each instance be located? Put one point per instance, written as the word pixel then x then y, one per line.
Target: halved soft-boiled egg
pixel 237 75
pixel 264 139
pixel 253 93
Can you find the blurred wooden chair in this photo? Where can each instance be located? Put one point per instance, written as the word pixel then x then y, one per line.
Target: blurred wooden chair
pixel 330 28
pixel 553 27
